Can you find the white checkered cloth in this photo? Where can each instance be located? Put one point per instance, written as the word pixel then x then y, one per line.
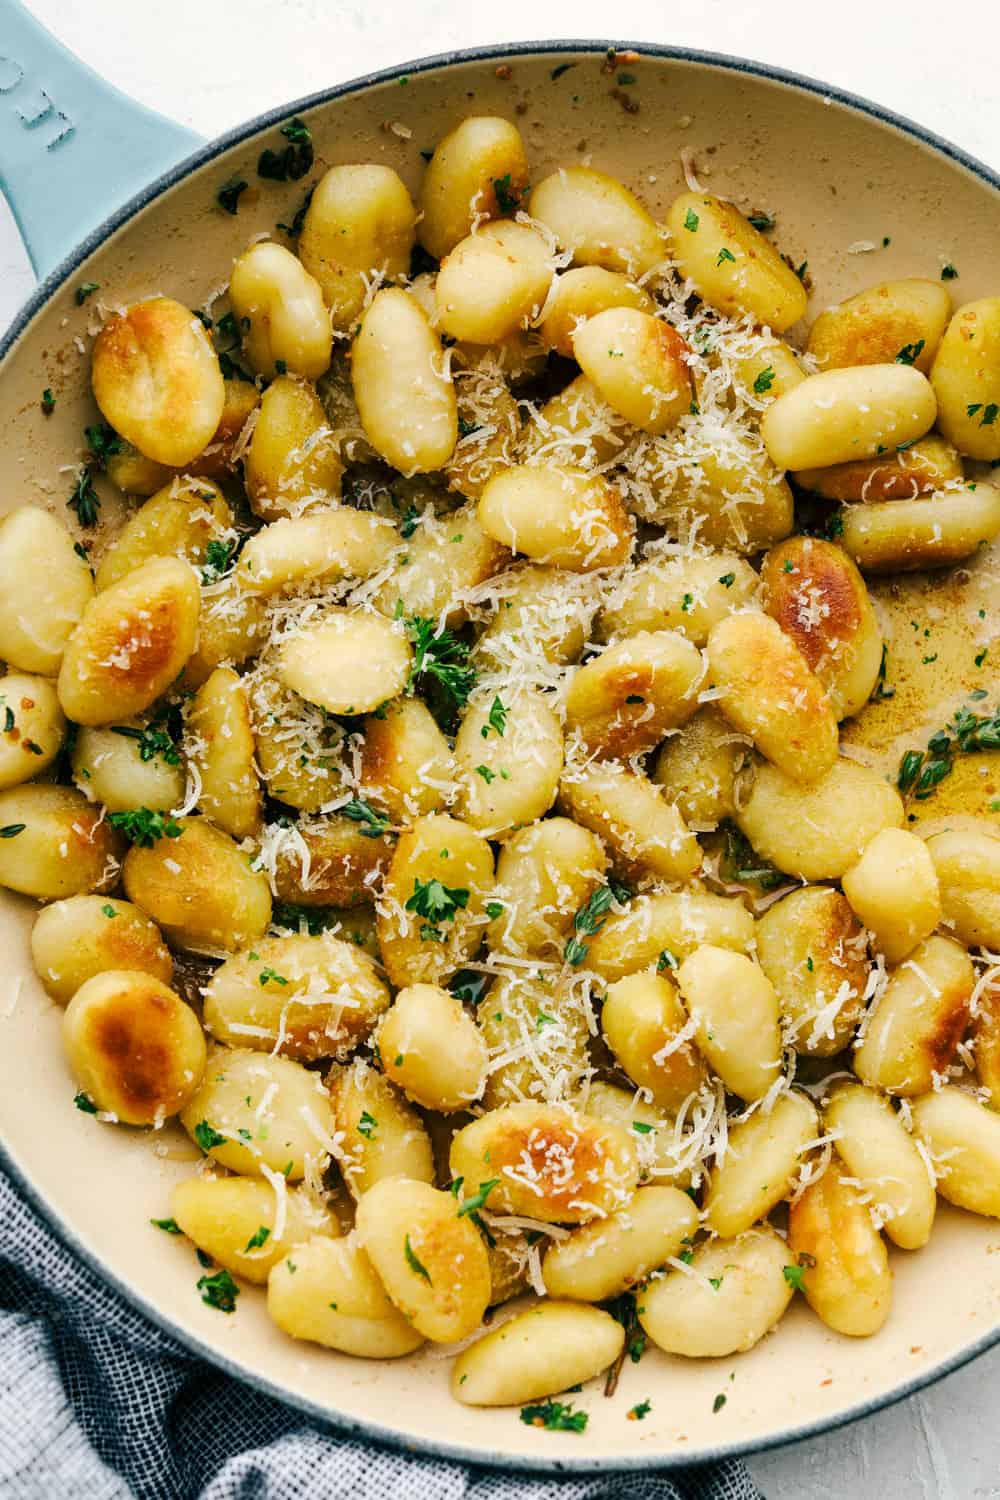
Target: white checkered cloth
pixel 98 1404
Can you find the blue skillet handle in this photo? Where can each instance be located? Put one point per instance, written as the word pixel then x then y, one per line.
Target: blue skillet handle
pixel 72 148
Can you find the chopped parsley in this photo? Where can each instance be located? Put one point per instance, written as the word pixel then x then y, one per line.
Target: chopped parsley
pixel 910 353
pixel 691 221
pixel 948 272
pixel 795 1276
pixel 494 909
pixel 85 1103
pixel 257 1239
pixel 228 196
pixel 207 1137
pixel 762 222
pixel 554 1416
pixel 588 921
pixel 487 775
pixel 143 826
pixel 727 580
pixel 740 861
pixel 294 229
pixel 48 402
pixel 86 289
pixel 103 442
pixel 169 1226
pixel 718 1403
pixel 218 556
pixel 666 960
pixel 11 830
pixel 415 1264
pixel 109 910
pixel 152 740
pixel 641 1128
pixel 219 1291
pixel 508 197
pixel 724 255
pixel 441 659
pixel 497 719
pixel 268 975
pixel 469 985
pixel 367 1125
pixel 763 382
pixel 477 1200
pixel 294 160
pixel 436 903
pixel 638 1412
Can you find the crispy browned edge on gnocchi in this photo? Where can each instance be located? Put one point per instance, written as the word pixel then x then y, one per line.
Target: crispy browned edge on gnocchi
pixel 436 790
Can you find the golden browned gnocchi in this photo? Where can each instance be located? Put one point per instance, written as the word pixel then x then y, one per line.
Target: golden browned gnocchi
pixel 134 1047
pixel 767 691
pixel 460 711
pixel 157 380
pixel 131 643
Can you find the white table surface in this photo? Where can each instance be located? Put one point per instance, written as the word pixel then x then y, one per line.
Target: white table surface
pixel 212 63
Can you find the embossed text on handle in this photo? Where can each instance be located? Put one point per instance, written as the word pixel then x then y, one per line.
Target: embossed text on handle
pixel 32 106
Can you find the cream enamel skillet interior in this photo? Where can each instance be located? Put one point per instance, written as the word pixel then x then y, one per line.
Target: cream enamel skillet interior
pixel 863 198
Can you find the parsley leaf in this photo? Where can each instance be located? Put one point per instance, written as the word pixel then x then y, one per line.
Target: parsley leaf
pixel 228 196
pixel 86 289
pixel 763 222
pixel 497 719
pixel 169 1226
pixel 11 830
pixel 763 382
pixel 257 1239
pixel 414 1264
pixel 442 659
pixel 152 740
pixel 103 442
pixel 294 160
pixel 85 1103
pixel 143 826
pixel 48 402
pixel 638 1412
pixel 218 556
pixel 508 197
pixel 367 1125
pixel 910 353
pixel 724 255
pixel 948 272
pixel 436 903
pixel 219 1291
pixel 206 1136
pixel 795 1276
pixel 554 1416
pixel 477 1200
pixel 691 221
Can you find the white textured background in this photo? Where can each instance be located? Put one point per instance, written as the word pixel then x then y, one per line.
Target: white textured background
pixel 212 63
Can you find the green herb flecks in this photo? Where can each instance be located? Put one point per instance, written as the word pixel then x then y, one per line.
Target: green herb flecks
pixel 84 499
pixel 294 160
pixel 207 1137
pixel 219 1291
pixel 554 1416
pixel 228 196
pixel 143 826
pixel 435 903
pixel 372 824
pixel 415 1264
pixel 587 923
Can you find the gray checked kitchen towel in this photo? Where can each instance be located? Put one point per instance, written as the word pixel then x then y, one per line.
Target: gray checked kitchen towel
pixel 98 1404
